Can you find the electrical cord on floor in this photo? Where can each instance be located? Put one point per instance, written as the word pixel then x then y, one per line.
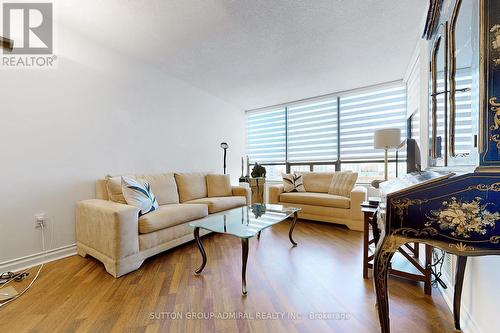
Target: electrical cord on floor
pixel 6 278
pixel 437 267
pixel 37 273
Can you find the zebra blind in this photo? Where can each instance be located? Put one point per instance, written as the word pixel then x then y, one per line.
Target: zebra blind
pixel 464 138
pixel 440 115
pixel 364 112
pixel 312 130
pixel 266 135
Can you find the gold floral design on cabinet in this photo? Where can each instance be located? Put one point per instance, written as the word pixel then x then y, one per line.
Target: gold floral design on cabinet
pixel 495 43
pixel 402 205
pixel 461 247
pixel 495 107
pixel 463 218
pixel 495 187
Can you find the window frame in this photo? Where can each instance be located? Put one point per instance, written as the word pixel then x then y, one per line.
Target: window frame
pixel 338 162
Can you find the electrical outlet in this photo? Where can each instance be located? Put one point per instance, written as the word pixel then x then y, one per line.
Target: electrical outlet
pixel 40 219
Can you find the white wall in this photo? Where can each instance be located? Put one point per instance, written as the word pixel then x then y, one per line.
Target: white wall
pixel 99 112
pixel 481 294
pixel 417 82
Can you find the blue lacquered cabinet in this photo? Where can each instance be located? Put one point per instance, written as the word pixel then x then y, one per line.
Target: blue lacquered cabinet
pixel 490 121
pixel 453 205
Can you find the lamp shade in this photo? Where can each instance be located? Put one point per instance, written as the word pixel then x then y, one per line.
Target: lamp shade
pixel 387 138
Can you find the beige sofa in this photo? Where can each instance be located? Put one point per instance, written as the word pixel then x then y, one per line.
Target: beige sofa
pixel 111 231
pixel 318 205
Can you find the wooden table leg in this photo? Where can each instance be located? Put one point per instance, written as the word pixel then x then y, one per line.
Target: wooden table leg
pixel 459 282
pixel 202 250
pixel 366 232
pixel 292 226
pixel 428 275
pixel 416 250
pixel 376 232
pixel 244 258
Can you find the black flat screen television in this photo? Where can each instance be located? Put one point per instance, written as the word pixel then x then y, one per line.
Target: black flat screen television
pixel 413 158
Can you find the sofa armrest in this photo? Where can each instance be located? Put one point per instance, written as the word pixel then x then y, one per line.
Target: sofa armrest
pixel 358 195
pixel 241 191
pixel 108 227
pixel 274 193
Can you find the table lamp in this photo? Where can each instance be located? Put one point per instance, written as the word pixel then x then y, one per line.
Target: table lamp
pixel 385 139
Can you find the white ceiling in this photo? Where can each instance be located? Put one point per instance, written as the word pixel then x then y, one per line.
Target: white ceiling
pixel 254 53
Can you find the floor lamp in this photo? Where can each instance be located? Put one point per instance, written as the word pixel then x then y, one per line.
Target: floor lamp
pixel 224 146
pixel 386 139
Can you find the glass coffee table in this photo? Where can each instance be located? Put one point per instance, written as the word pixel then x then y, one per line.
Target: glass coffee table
pixel 244 222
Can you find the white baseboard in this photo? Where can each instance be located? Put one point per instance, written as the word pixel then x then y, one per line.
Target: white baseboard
pixel 467 322
pixel 36 259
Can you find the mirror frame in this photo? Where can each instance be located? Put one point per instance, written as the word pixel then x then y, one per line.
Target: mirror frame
pixel 435 49
pixel 440 40
pixel 452 72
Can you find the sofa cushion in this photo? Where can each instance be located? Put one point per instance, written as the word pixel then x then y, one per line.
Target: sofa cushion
pixel 343 183
pixel 330 213
pixel 316 199
pixel 218 204
pixel 170 215
pixel 101 190
pixel 219 186
pixel 317 181
pixel 293 183
pixel 191 185
pixel 166 238
pixel 114 188
pixel 138 193
pixel 163 186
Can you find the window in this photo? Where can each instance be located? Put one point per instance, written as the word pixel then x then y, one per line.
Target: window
pixel 441 130
pixel 363 113
pixel 304 136
pixel 266 141
pixel 300 168
pixel 274 171
pixel 312 131
pixel 324 168
pixel 367 172
pixel 464 139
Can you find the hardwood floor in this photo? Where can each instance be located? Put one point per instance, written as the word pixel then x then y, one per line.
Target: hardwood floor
pixel 321 276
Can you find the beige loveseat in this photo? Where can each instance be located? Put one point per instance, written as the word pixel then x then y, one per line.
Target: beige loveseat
pixel 318 205
pixel 111 231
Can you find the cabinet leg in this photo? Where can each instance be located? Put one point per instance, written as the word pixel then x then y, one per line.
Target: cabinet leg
pixel 459 282
pixel 383 255
pixel 428 276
